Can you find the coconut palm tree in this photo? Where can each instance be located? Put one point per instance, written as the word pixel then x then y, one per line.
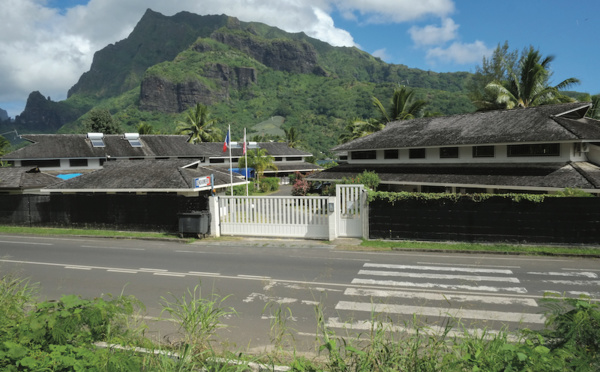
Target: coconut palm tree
pixel 259 160
pixel 528 86
pixel 199 126
pixel 357 128
pixel 291 137
pixel 403 106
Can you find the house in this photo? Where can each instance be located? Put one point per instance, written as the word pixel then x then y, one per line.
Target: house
pixel 146 177
pixel 24 180
pixel 74 153
pixel 540 149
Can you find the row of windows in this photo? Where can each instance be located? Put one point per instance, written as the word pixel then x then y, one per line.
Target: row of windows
pixel 543 149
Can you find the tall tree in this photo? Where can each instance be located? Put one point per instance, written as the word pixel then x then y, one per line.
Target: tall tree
pixel 4 145
pixel 291 137
pixel 259 160
pixel 199 126
pixel 101 121
pixel 357 128
pixel 145 128
pixel 528 85
pixel 403 106
pixel 594 112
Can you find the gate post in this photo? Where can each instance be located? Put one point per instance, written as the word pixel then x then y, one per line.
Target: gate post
pixel 364 200
pixel 215 219
pixel 332 217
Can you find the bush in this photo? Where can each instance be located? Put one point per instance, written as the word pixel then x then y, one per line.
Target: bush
pixel 300 188
pixel 269 184
pixel 368 178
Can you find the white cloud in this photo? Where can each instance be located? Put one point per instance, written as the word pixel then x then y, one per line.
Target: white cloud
pixel 433 35
pixel 381 53
pixel 459 53
pixel 384 11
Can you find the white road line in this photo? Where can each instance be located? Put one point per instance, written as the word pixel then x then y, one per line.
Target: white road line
pixel 573 282
pixel 568 273
pixel 575 293
pixel 441 312
pixel 125 271
pixel 78 267
pixel 463 264
pixel 476 278
pixel 177 275
pixel 201 273
pixel 28 243
pixel 438 268
pixel 148 270
pixel 254 276
pixel 433 330
pixel 581 269
pixel 392 283
pixel 449 297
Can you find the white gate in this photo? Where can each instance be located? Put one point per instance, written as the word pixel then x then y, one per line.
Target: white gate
pixel 279 216
pixel 350 211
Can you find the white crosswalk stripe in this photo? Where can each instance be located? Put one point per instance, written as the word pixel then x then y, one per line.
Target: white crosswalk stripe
pixel 392 283
pixel 477 278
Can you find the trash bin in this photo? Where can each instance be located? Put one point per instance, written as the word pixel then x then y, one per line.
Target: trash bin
pixel 196 223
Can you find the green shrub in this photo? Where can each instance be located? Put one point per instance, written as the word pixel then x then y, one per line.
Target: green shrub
pixel 269 184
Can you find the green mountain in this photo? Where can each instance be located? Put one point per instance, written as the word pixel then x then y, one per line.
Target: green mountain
pixel 246 72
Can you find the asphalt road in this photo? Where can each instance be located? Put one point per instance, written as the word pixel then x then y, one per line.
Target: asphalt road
pixel 351 288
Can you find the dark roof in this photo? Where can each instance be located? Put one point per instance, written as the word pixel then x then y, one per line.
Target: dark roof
pixel 580 175
pixel 132 175
pixel 64 146
pixel 550 123
pixel 21 178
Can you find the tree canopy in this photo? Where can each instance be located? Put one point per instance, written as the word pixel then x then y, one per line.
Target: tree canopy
pixel 510 85
pixel 259 160
pixel 199 125
pixel 101 121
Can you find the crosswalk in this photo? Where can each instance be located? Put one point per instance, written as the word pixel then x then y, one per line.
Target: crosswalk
pixel 477 298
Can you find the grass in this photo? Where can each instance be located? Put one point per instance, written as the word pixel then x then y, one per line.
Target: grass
pixel 86 232
pixel 380 245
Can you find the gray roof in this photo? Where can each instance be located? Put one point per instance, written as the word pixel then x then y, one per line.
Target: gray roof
pixel 155 175
pixel 582 175
pixel 552 123
pixel 21 178
pixel 69 146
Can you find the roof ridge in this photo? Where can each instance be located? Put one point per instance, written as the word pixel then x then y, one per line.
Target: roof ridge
pixel 584 174
pixel 554 118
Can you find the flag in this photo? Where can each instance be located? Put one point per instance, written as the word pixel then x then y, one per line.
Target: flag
pixel 226 144
pixel 244 145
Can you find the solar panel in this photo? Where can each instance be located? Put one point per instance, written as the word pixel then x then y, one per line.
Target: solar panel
pixel 134 139
pixel 96 139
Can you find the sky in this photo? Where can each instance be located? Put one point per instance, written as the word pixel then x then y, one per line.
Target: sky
pixel 45 45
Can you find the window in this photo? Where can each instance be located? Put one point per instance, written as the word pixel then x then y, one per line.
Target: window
pixel 293 158
pixel 541 149
pixel 49 163
pixel 483 151
pixel 416 153
pixel 278 158
pixel 390 154
pixel 448 152
pixel 363 155
pixel 213 161
pixel 78 162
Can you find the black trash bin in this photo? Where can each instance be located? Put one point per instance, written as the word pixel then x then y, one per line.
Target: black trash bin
pixel 196 223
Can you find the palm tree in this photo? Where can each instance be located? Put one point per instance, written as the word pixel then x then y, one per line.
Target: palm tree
pixel 291 137
pixel 145 128
pixel 199 125
pixel 4 145
pixel 594 111
pixel 259 160
pixel 357 128
pixel 528 86
pixel 403 106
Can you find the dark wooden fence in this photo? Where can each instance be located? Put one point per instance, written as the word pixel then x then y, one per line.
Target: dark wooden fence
pixel 555 220
pixel 152 212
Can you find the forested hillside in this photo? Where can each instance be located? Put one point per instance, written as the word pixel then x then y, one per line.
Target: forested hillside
pixel 245 72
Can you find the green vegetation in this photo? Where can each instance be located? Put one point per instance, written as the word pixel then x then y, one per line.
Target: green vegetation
pixel 82 232
pixel 68 334
pixel 101 121
pixel 199 126
pixel 259 160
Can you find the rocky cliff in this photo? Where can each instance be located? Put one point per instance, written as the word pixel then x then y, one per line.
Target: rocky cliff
pixel 3 115
pixel 161 94
pixel 43 115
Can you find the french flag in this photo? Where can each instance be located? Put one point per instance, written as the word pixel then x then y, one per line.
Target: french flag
pixel 226 144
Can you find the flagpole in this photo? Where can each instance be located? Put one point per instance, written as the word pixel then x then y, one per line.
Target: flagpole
pixel 246 160
pixel 230 163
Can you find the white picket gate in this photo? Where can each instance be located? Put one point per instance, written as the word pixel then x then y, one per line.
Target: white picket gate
pixel 312 217
pixel 279 216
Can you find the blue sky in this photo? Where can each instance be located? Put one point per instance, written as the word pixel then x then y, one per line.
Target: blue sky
pixel 46 45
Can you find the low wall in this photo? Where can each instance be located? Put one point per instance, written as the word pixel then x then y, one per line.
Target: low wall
pixel 555 220
pixel 152 212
